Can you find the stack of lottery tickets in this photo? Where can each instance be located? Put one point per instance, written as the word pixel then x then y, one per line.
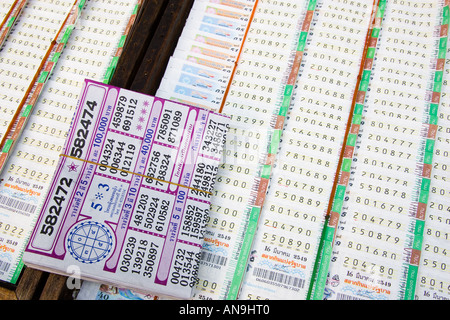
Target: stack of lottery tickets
pixel 130 196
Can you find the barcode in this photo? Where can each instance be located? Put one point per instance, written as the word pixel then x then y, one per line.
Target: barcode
pixel 213 258
pixel 341 296
pixel 17 204
pixel 4 266
pixel 279 277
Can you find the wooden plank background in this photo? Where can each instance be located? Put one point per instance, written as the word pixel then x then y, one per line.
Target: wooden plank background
pixel 140 68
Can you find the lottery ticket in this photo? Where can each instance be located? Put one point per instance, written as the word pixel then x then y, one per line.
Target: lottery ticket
pixel 130 197
pixel 208 47
pixel 210 98
pixel 210 38
pixel 204 60
pixel 208 29
pixel 207 50
pixel 96 291
pixel 197 77
pixel 227 9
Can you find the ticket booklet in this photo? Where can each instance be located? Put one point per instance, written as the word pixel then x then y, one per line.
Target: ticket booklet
pixel 130 196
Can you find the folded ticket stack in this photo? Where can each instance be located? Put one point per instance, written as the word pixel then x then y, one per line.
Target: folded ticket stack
pixel 130 196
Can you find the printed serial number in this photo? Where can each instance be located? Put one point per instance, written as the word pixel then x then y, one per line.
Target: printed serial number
pixel 139 257
pixel 55 209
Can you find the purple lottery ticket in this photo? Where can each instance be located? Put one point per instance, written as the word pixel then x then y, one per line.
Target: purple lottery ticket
pixel 130 196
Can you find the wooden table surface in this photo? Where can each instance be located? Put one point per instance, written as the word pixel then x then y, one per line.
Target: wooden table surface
pixel 141 66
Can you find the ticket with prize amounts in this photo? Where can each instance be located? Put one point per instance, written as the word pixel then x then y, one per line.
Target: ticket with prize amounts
pixel 130 197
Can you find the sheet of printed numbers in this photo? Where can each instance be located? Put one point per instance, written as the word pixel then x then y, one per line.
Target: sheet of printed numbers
pixel 19 59
pixel 253 98
pixel 292 218
pixel 433 282
pixel 88 53
pixel 24 50
pixel 376 230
